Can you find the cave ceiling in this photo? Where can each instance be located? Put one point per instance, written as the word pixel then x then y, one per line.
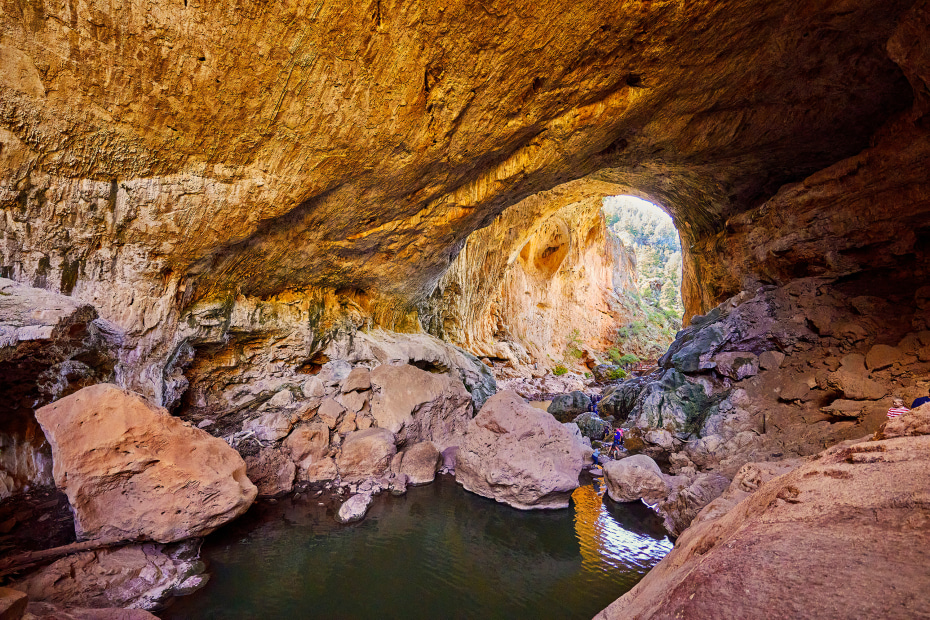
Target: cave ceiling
pixel 259 147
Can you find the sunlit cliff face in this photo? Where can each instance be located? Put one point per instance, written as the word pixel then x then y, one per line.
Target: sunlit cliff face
pixel 182 165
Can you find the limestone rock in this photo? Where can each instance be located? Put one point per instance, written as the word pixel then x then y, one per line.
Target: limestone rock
pixel 417 405
pixel 131 470
pixel 272 471
pixel 737 365
pixel 774 554
pixel 518 455
pixel 366 453
pixel 418 462
pixel 566 407
pixel 634 478
pixel 771 360
pixel 12 604
pixel 354 508
pixel 139 576
pixel 308 440
pixel 313 387
pixel 357 380
pixel 270 427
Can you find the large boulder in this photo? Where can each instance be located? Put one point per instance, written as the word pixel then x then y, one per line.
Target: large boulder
pixel 308 440
pixel 620 400
pixel 417 405
pixel 272 471
pixel 686 501
pixel 842 536
pixel 634 478
pixel 132 470
pixel 366 453
pixel 566 407
pixel 518 455
pixel 418 462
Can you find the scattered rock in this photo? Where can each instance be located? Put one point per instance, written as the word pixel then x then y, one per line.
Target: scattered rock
pixel 661 438
pixel 771 360
pixel 354 401
pixel 882 356
pixel 308 440
pixel 313 387
pixel 354 508
pixel 284 398
pixel 330 411
pixel 518 455
pixel 737 365
pixel 366 453
pixel 131 470
pixel 418 462
pixel 314 469
pixel 272 471
pixel 566 407
pixel 398 484
pixel 358 380
pixel 334 372
pixel 270 427
pixel 634 478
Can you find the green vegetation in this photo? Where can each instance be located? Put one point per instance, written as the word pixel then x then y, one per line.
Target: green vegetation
pixel 559 370
pixel 617 373
pixel 573 348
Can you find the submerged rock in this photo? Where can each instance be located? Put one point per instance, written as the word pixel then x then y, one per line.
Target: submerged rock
pixel 354 508
pixel 518 455
pixel 131 470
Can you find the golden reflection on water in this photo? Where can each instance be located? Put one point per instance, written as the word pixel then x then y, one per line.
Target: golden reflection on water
pixel 604 545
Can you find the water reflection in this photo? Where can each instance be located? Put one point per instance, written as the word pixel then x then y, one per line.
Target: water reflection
pixel 436 552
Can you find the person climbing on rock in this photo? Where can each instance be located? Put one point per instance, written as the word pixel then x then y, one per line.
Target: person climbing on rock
pixel 617 445
pixel 897 409
pixel 923 400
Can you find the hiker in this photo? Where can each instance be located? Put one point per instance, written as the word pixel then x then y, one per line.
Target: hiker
pixel 595 458
pixel 897 409
pixel 618 442
pixel 923 400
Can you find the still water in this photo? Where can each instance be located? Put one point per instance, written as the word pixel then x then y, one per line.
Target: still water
pixel 437 552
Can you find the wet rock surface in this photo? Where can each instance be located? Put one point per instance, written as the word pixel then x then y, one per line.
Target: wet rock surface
pixel 131 470
pixel 518 455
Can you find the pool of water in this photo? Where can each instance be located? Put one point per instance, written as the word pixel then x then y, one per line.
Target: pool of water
pixel 437 552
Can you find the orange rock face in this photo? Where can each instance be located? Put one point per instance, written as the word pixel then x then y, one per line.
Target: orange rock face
pixel 133 471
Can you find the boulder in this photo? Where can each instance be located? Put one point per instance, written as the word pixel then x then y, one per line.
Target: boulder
pixel 272 471
pixel 518 455
pixel 673 403
pixel 842 536
pixel 448 457
pixel 313 469
pixel 308 440
pixel 685 502
pixel 313 388
pixel 852 379
pixel 841 408
pixel 131 470
pixel 334 372
pixel 661 438
pixel 771 360
pixel 269 427
pixel 354 401
pixel 882 356
pixel 12 604
pixel 417 405
pixel 634 478
pixel 737 365
pixel 566 407
pixel 330 411
pixel 354 508
pixel 398 485
pixel 418 462
pixel 139 576
pixel 366 453
pixel 592 426
pixel 357 381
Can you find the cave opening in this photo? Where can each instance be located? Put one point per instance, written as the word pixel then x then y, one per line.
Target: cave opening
pixel 653 300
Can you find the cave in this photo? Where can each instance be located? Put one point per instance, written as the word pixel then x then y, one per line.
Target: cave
pixel 283 231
